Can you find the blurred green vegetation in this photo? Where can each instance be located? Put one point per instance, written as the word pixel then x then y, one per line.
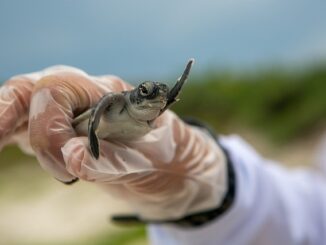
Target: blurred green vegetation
pixel 11 156
pixel 280 104
pixel 136 235
pixel 130 236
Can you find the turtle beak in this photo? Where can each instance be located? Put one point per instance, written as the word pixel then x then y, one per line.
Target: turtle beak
pixel 175 91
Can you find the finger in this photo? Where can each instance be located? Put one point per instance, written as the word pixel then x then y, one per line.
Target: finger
pixel 15 97
pixel 117 163
pixel 122 161
pixel 123 167
pixel 21 139
pixel 55 101
pixel 111 83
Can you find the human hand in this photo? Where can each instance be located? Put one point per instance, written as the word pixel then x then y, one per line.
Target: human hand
pixel 173 170
pixel 170 172
pixel 46 102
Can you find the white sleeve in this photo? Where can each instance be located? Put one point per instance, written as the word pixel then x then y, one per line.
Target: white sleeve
pixel 273 205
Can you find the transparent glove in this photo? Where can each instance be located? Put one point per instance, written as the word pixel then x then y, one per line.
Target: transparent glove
pixel 172 171
pixel 15 97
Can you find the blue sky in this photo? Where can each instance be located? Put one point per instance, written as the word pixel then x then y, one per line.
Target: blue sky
pixel 148 39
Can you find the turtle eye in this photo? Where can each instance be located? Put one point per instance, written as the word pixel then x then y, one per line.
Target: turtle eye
pixel 145 89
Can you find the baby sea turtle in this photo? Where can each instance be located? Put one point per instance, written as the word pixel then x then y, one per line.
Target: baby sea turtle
pixel 128 114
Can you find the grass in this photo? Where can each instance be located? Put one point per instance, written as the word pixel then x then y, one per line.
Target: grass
pixel 130 236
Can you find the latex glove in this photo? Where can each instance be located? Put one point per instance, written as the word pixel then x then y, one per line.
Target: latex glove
pixel 58 92
pixel 172 171
pixel 15 96
pixel 57 97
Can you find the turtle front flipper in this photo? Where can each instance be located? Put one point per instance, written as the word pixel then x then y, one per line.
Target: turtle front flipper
pixel 81 118
pixel 175 91
pixel 105 103
pixel 93 139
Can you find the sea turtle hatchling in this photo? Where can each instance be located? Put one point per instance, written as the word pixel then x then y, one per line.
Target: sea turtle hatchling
pixel 128 114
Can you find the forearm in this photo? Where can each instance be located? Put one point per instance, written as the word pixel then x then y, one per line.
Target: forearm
pixel 272 206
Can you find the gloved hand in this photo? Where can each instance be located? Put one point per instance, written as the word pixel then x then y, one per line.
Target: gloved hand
pixel 46 101
pixel 172 171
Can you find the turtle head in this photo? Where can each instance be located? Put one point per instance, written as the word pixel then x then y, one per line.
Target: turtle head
pixel 147 100
pixel 150 99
